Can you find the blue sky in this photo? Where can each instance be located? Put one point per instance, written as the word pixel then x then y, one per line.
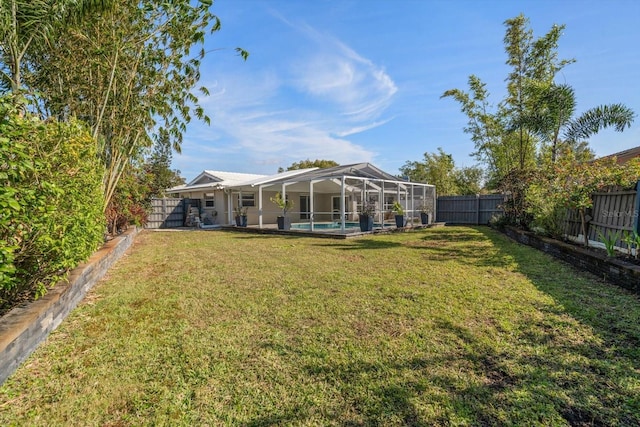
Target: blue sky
pixel 360 81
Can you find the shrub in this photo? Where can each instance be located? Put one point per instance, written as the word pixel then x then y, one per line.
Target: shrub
pixel 131 201
pixel 51 200
pixel 569 185
pixel 516 185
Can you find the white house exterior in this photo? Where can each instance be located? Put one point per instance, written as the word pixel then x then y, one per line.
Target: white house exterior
pixel 319 195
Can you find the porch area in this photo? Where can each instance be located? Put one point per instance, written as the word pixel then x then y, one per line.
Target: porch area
pixel 330 200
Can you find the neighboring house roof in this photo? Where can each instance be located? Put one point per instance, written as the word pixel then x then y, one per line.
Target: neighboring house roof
pixel 625 155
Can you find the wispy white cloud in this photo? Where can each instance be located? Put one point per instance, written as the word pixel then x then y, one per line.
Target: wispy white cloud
pixel 336 73
pixel 360 129
pixel 256 114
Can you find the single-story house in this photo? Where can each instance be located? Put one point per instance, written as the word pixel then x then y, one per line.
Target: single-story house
pixel 320 196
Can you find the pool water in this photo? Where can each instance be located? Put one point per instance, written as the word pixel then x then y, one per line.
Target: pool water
pixel 326 225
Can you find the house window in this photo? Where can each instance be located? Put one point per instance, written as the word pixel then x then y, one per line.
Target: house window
pixel 304 207
pixel 248 199
pixel 209 202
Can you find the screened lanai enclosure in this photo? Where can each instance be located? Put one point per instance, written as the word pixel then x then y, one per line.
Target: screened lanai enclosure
pixel 331 199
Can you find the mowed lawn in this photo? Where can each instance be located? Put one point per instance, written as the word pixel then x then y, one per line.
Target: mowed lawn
pixel 445 326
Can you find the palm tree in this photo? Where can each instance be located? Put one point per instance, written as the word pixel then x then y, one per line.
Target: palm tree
pixel 554 124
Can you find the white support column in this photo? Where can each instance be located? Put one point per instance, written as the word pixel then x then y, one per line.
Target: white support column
pixel 363 193
pixel 229 208
pixel 284 195
pixel 382 202
pixel 311 206
pixel 260 206
pixel 342 213
pixel 412 205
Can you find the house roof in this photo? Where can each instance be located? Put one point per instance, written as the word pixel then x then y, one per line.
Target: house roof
pixel 361 170
pixel 625 155
pixel 328 179
pixel 278 177
pixel 240 181
pixel 215 179
pixel 228 178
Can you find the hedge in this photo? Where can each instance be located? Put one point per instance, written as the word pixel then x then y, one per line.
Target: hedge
pixel 51 202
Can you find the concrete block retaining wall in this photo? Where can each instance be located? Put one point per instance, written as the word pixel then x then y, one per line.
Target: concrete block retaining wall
pixel 610 269
pixel 24 328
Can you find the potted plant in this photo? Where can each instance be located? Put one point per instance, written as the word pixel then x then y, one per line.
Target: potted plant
pixel 284 222
pixel 424 214
pixel 241 216
pixel 367 212
pixel 399 211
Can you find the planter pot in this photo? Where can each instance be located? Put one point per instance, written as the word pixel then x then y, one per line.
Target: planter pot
pixel 424 218
pixel 284 223
pixel 241 221
pixel 399 221
pixel 366 223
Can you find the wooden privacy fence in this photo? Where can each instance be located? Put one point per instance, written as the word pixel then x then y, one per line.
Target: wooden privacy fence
pixel 166 213
pixel 614 211
pixel 476 209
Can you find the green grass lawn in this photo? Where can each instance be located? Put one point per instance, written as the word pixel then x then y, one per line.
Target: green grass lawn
pixel 448 326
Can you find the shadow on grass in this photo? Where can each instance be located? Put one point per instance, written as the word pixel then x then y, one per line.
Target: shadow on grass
pixel 587 383
pixel 548 374
pixel 360 244
pixel 257 236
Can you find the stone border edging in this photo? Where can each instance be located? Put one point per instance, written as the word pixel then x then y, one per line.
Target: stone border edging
pixel 25 327
pixel 612 270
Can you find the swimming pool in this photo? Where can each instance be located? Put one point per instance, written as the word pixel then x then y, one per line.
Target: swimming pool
pixel 326 225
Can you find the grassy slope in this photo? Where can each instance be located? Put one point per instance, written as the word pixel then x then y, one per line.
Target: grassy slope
pixel 451 326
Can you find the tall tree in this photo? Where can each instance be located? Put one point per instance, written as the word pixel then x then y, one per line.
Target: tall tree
pixel 158 167
pixel 534 63
pixel 500 134
pixel 440 170
pixel 304 164
pixel 130 73
pixel 26 24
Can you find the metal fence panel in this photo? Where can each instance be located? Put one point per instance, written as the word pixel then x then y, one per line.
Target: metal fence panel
pixel 475 209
